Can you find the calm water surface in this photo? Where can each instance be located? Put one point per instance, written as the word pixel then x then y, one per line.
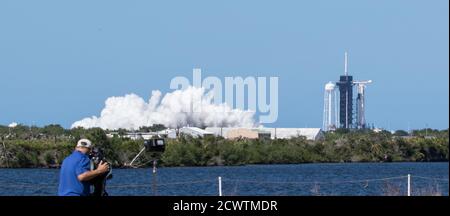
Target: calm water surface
pixel 300 179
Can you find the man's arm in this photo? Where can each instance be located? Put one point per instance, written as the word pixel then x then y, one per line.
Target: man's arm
pixel 88 175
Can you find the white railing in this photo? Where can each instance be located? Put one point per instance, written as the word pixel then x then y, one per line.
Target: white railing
pixel 220 183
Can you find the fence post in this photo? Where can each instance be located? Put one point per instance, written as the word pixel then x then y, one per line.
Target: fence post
pixel 154 180
pixel 154 166
pixel 409 184
pixel 220 186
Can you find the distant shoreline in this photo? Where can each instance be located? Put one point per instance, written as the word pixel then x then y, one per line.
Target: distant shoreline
pixel 149 167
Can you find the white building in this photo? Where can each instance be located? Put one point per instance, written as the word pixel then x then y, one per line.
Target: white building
pixel 133 135
pixel 195 132
pixel 287 133
pixel 279 133
pixel 192 131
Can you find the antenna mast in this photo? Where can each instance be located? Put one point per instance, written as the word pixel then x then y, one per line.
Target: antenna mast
pixel 346 64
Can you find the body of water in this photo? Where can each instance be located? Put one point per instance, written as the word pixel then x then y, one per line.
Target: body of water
pixel 358 179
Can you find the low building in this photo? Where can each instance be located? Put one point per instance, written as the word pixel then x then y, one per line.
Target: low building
pixel 168 133
pixel 249 133
pixel 287 133
pixel 195 132
pixel 133 135
pixel 191 131
pixel 229 133
pixel 262 132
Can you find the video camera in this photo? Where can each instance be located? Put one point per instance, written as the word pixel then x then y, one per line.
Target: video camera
pixel 99 183
pixel 155 144
pixel 96 155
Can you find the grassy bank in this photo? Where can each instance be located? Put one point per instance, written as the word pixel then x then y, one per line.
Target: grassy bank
pixel 47 148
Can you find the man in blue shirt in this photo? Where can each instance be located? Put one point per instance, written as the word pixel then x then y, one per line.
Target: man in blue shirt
pixel 76 171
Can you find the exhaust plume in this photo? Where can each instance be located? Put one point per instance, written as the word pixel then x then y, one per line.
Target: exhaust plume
pixel 192 106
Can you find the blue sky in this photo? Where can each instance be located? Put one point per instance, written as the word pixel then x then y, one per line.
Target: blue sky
pixel 60 60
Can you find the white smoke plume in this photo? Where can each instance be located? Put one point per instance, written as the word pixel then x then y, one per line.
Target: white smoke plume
pixel 13 125
pixel 192 106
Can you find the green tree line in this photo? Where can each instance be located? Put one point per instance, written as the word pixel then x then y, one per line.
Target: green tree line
pixel 24 146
